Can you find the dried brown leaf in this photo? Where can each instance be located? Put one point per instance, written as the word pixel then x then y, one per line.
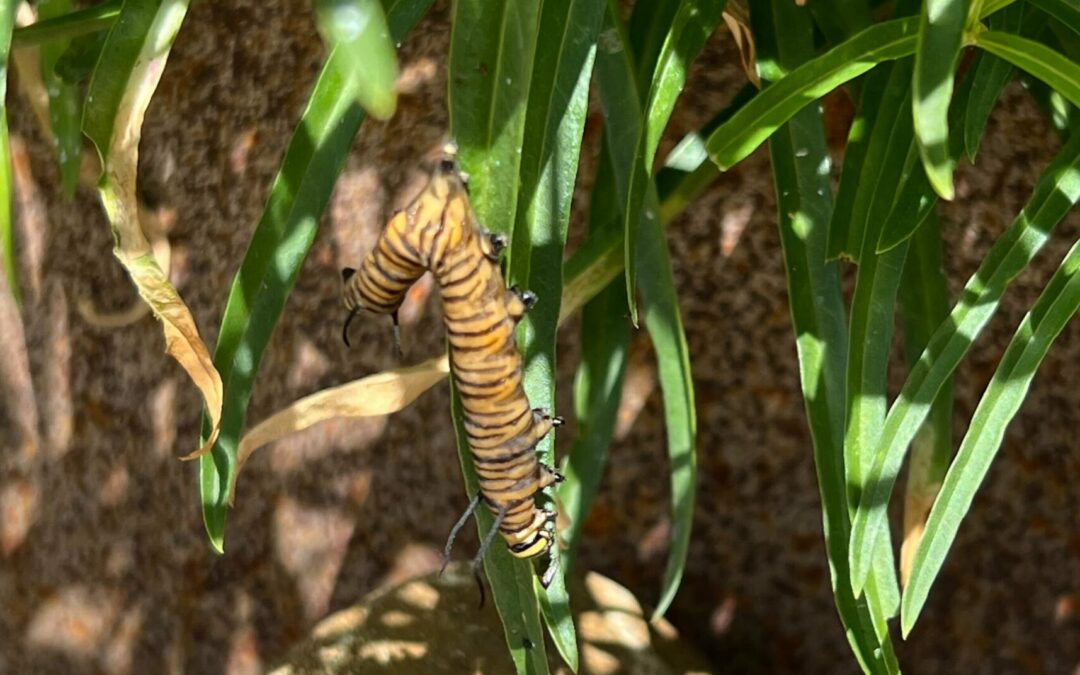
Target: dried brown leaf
pixel 737 18
pixel 132 248
pixel 182 341
pixel 379 394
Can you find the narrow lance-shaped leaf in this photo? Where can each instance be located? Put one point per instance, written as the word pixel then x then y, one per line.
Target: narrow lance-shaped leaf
pixel 298 196
pixel 492 49
pixel 801 171
pixel 915 199
pixel 843 241
pixel 776 104
pixel 873 307
pixel 941 31
pixel 605 332
pixel 119 93
pixel 1053 68
pixel 597 392
pixel 924 301
pixel 1000 403
pixel 991 76
pixel 848 225
pixel 1055 193
pixel 65 103
pixel 1065 11
pixel 690 28
pixel 558 99
pixel 69 25
pixel 646 32
pixel 358 28
pixel 623 113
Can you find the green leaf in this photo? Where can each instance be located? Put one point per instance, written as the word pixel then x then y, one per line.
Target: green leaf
pixel 840 19
pixel 988 8
pixel 605 336
pixel 142 23
pixel 1061 114
pixel 1000 403
pixel 605 331
pixel 69 25
pixel 492 48
pixel 941 31
pixel 647 31
pixel 595 263
pixel 510 578
pixel 690 28
pixel 1056 70
pixel 1065 11
pixel 873 307
pixel 7 235
pixel 749 127
pixel 991 76
pixel 873 303
pixel 916 197
pixel 800 164
pixel 298 197
pixel 491 56
pixel 358 28
pixel 924 301
pixel 843 240
pixel 558 101
pixel 1055 193
pixel 65 103
pixel 625 122
pixel 79 59
pixel 687 170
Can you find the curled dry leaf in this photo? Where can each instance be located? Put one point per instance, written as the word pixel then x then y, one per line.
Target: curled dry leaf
pixel 182 341
pixel 737 18
pixel 379 394
pixel 113 119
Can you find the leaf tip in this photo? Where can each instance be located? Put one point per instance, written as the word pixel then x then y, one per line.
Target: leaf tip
pixel 941 180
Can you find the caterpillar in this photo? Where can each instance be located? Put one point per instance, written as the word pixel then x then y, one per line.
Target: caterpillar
pixel 438 231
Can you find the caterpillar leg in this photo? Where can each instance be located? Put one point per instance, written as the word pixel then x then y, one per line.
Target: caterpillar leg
pixel 543 422
pixel 479 559
pixel 397 335
pixel 493 244
pixel 553 555
pixel 454 532
pixel 518 302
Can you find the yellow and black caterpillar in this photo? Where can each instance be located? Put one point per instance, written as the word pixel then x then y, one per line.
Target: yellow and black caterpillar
pixel 439 232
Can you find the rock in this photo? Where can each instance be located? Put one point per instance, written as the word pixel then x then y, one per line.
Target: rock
pixel 432 625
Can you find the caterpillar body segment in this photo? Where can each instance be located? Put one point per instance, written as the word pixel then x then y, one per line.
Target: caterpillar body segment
pixel 438 232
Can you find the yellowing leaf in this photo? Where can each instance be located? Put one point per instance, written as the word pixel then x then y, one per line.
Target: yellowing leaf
pixel 182 341
pixel 379 394
pixel 123 82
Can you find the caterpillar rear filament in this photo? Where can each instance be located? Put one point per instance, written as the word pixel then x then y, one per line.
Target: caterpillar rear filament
pixel 439 232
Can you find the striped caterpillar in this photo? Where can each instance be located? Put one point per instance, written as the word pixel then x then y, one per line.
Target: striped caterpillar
pixel 439 232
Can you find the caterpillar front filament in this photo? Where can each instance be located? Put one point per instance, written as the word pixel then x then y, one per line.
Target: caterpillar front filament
pixel 438 231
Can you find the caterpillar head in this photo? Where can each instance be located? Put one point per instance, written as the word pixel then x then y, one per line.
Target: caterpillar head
pixel 448 164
